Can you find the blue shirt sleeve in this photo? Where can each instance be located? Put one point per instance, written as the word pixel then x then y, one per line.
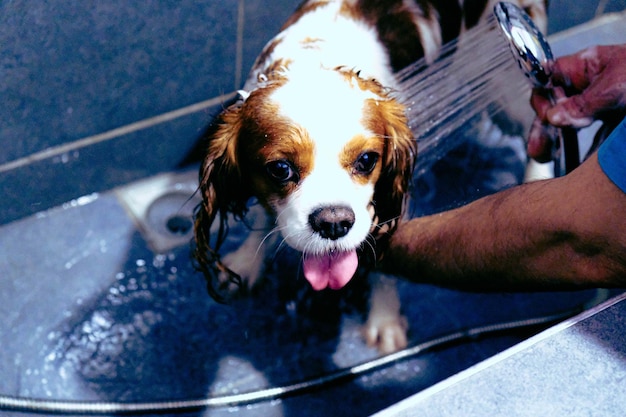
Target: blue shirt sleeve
pixel 612 156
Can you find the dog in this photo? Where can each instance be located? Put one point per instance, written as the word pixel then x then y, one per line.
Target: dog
pixel 317 138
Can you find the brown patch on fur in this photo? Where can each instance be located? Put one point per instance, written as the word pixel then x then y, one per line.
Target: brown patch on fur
pixel 450 17
pixel 395 26
pixel 226 179
pixel 387 119
pixel 266 52
pixel 365 84
pixel 281 140
pixel 275 71
pixel 311 43
pixel 355 148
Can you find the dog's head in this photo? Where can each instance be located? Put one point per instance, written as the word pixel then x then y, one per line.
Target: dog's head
pixel 330 157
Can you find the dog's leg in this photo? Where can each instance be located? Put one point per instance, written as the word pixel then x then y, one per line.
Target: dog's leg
pixel 385 327
pixel 248 260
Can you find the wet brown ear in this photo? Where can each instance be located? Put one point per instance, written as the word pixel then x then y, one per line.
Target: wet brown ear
pixel 392 187
pixel 224 192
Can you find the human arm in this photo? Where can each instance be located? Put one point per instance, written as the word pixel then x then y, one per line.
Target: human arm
pixel 568 232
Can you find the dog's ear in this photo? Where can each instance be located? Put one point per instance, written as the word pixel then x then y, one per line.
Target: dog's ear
pixel 392 187
pixel 225 191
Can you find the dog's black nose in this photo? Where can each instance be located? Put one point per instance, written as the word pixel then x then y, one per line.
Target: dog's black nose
pixel 332 222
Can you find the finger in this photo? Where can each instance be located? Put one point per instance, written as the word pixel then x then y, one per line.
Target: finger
pixel 540 142
pixel 540 102
pixel 575 111
pixel 577 71
pixel 607 92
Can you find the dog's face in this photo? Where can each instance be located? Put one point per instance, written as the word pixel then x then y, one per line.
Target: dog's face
pixel 329 157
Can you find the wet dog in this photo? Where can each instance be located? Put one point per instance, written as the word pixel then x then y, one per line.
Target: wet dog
pixel 317 138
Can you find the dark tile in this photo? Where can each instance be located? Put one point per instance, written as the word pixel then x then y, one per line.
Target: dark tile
pixel 262 23
pixel 74 70
pixel 40 185
pixel 563 14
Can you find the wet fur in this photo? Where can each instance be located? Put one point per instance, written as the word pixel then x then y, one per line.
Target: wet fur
pixel 250 131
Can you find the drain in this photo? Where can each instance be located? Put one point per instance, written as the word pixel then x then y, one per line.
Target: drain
pixel 170 215
pixel 163 208
pixel 179 225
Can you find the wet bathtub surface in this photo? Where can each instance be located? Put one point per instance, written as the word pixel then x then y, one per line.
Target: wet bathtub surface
pixel 92 312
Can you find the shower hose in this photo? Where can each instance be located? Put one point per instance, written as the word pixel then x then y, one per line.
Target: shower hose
pixel 43 406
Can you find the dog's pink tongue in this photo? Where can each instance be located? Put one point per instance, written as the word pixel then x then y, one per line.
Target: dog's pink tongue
pixel 332 270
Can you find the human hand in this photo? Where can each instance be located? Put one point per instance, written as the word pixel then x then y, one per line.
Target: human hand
pixel 588 85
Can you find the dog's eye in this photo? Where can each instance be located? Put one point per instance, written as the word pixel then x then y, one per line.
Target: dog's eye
pixel 366 162
pixel 281 171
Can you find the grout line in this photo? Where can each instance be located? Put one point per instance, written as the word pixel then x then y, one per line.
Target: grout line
pixel 239 44
pixel 600 8
pixel 114 133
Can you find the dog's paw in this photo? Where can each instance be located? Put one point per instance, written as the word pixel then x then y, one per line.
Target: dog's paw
pixel 388 335
pixel 385 327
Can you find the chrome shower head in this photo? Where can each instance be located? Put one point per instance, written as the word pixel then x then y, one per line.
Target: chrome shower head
pixel 529 46
pixel 534 56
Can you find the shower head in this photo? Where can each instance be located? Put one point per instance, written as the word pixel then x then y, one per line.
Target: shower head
pixel 534 56
pixel 529 46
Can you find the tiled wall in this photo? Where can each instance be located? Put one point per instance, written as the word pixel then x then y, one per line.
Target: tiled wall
pixel 87 87
pixel 77 76
pixel 567 13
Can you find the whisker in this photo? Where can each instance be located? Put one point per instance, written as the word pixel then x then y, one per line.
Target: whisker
pixel 260 245
pixel 285 237
pixel 281 244
pixel 369 242
pixel 267 236
pixel 278 215
pixel 393 219
pixel 305 251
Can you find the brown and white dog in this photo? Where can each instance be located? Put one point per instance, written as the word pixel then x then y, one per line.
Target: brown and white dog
pixel 319 140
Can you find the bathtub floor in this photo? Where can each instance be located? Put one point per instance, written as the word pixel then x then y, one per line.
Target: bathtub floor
pixel 92 312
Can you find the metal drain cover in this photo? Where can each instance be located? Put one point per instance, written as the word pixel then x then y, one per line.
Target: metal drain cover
pixel 162 207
